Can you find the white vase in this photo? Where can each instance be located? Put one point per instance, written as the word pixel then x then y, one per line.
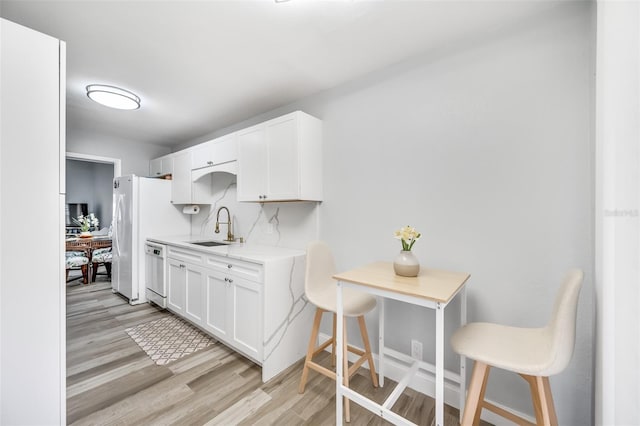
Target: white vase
pixel 406 264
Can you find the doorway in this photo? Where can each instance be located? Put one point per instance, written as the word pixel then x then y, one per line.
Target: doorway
pixel 88 185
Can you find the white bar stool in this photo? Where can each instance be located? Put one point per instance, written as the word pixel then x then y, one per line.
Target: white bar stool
pixel 320 289
pixel 533 353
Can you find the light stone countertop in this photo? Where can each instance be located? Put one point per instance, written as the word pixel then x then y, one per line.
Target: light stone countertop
pixel 241 251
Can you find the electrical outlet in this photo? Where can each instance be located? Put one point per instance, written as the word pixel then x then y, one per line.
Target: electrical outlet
pixel 416 349
pixel 269 228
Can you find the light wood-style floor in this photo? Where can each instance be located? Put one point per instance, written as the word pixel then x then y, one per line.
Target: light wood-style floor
pixel 110 380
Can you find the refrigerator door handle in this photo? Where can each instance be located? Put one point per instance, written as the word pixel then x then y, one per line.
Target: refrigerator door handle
pixel 118 222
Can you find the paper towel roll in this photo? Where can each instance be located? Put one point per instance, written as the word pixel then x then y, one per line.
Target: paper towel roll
pixel 194 209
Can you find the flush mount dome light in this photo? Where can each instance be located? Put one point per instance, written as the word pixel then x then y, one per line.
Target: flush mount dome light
pixel 113 97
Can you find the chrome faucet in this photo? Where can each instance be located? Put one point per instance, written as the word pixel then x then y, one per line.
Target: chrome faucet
pixel 229 226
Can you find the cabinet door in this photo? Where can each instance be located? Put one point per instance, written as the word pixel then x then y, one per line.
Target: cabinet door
pixel 225 149
pixel 155 167
pixel 282 155
pixel 167 165
pixel 217 297
pixel 194 302
pixel 203 155
pixel 247 317
pixel 252 164
pixel 176 286
pixel 181 181
pixel 161 166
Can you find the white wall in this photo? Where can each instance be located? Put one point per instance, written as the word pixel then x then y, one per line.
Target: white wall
pixel 488 153
pixel 486 147
pixel 135 156
pixel 91 183
pixel 618 204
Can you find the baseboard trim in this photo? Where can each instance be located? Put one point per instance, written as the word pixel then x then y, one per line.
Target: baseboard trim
pixel 426 385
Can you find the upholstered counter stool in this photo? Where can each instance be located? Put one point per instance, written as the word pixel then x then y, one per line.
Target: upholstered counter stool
pixel 533 353
pixel 101 256
pixel 75 260
pixel 320 289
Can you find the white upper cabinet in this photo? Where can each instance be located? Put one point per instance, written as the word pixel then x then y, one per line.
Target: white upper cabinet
pixel 252 165
pixel 281 160
pixel 182 189
pixel 278 160
pixel 217 151
pixel 161 166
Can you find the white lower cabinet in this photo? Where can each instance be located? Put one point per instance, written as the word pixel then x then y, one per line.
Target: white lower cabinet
pixel 233 312
pixel 194 305
pixel 256 308
pixel 218 298
pixel 176 286
pixel 186 290
pixel 247 317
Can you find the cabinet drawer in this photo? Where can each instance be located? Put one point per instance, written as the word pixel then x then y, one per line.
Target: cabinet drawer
pixel 192 257
pixel 238 268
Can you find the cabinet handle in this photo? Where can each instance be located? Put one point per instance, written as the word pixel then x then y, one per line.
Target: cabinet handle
pixel 230 280
pixel 181 265
pixel 210 163
pixel 226 279
pixel 229 266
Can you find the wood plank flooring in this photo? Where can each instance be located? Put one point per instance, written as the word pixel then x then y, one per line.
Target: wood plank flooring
pixel 111 381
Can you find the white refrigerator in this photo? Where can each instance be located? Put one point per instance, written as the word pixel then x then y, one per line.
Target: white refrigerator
pixel 141 208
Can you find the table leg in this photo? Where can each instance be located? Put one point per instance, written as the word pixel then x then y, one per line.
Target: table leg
pixel 463 359
pixel 439 366
pixel 381 342
pixel 339 353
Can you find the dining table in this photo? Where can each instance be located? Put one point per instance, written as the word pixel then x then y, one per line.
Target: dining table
pixel 432 288
pixel 88 245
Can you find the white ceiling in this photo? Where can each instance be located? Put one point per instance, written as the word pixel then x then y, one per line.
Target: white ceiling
pixel 203 65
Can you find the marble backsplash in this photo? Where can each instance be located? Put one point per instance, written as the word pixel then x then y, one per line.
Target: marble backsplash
pixel 287 224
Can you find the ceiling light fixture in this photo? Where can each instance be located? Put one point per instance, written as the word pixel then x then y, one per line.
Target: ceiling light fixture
pixel 113 97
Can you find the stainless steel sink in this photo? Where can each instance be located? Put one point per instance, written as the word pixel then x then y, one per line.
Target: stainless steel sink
pixel 209 243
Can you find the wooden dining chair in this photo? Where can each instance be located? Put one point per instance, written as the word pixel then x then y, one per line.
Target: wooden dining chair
pixel 533 353
pixel 101 256
pixel 77 260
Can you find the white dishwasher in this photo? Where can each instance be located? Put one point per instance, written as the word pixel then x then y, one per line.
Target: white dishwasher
pixel 155 267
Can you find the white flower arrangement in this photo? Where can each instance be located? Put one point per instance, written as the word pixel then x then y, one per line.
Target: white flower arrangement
pixel 408 236
pixel 86 222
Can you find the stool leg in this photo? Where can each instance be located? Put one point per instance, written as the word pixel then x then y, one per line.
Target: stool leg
pixel 549 417
pixel 476 416
pixel 333 342
pixel 367 350
pixel 345 369
pixel 473 404
pixel 107 266
pixel 66 275
pixel 311 348
pixel 94 272
pixel 535 397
